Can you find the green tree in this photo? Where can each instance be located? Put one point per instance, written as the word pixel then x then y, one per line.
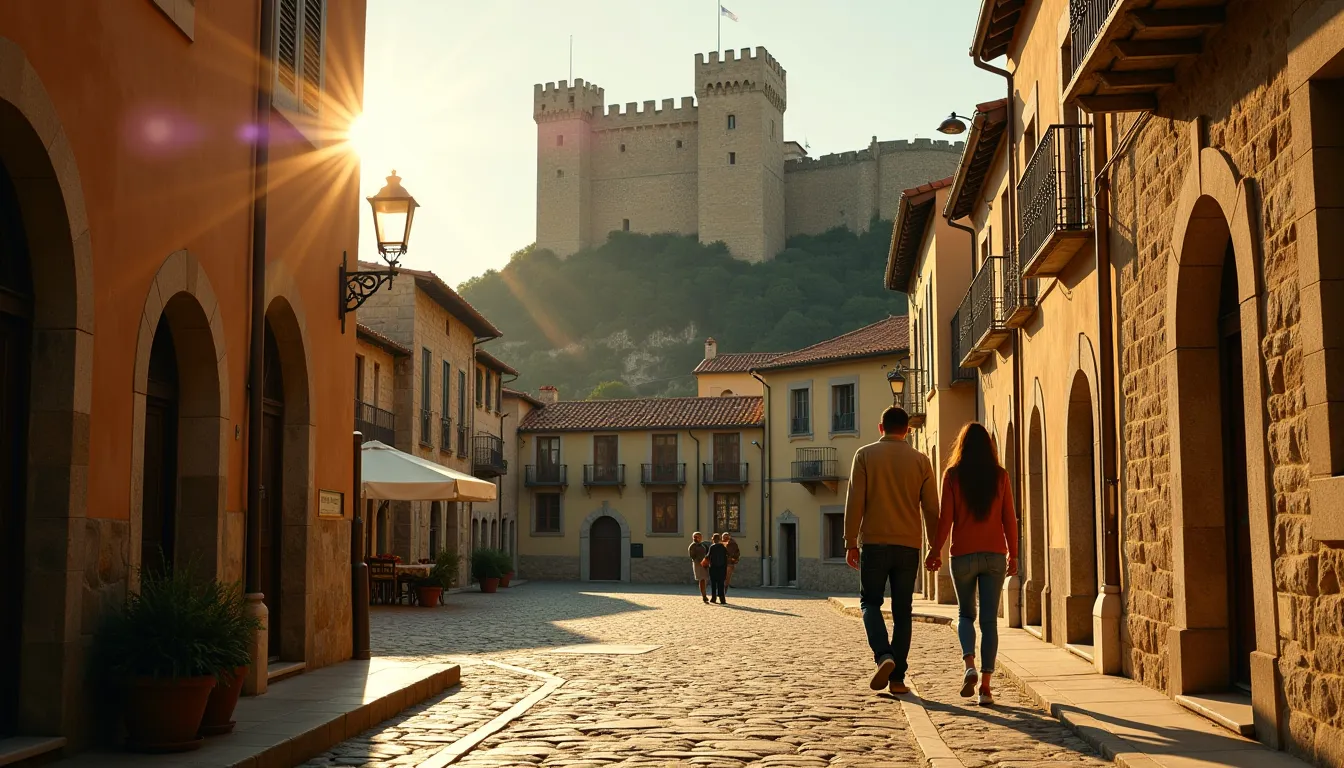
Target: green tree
pixel 612 390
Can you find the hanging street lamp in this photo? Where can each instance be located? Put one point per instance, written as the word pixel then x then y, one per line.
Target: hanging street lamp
pixel 393 212
pixel 896 378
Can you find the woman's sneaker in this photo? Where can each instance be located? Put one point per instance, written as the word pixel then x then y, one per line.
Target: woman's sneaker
pixel 986 699
pixel 968 683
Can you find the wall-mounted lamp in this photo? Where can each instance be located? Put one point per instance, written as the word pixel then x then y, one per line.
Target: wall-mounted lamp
pixel 953 125
pixel 393 212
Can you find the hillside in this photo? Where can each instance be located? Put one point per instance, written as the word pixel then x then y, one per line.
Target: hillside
pixel 638 308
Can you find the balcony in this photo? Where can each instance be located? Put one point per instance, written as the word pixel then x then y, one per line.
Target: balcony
pixel 723 474
pixel 446 435
pixel 960 374
pixel 982 313
pixel 426 436
pixel 662 474
pixel 915 400
pixel 1122 53
pixel 487 456
pixel 1054 201
pixel 815 467
pixel 375 423
pixel 546 476
pixel 1019 297
pixel 462 437
pixel 604 476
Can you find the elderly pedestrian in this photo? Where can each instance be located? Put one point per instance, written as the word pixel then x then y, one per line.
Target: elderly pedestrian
pixel 697 551
pixel 734 554
pixel 717 559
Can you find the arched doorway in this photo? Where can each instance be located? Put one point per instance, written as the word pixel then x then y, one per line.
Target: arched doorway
pixel 494 534
pixel 381 527
pixel 1010 604
pixel 1079 553
pixel 158 506
pixel 435 538
pixel 604 550
pixel 475 533
pixel 273 491
pixel 1034 516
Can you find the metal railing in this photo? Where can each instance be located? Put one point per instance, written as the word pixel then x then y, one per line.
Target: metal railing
pixel 662 474
pixel 842 422
pixel 487 456
pixel 916 396
pixel 604 474
pixel 960 343
pixel 714 473
pixel 814 464
pixel 462 437
pixel 800 425
pixel 1054 193
pixel 445 434
pixel 375 423
pixel 545 475
pixel 987 299
pixel 1086 18
pixel 426 419
pixel 1017 294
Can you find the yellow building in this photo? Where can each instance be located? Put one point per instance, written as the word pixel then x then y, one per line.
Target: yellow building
pixel 726 375
pixel 492 522
pixel 822 403
pixel 613 489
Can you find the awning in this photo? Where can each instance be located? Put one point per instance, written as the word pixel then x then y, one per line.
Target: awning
pixel 392 474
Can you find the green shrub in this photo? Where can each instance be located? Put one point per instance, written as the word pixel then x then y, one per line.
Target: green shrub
pixel 444 571
pixel 485 564
pixel 505 561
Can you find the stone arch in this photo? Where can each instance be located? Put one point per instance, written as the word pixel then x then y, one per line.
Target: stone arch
pixel 182 299
pixel 1077 564
pixel 585 528
pixel 1011 602
pixel 1215 223
pixel 36 152
pixel 298 446
pixel 1032 547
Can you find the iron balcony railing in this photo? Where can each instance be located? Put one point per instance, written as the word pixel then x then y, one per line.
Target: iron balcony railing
pixel 535 475
pixel 800 425
pixel 462 437
pixel 959 334
pixel 1054 193
pixel 1086 18
pixel 987 307
pixel 724 474
pixel 487 456
pixel 375 423
pixel 1018 295
pixel 916 396
pixel 662 474
pixel 604 474
pixel 965 341
pixel 842 422
pixel 426 419
pixel 814 465
pixel 445 434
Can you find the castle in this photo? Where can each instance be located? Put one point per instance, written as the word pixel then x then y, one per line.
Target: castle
pixel 720 169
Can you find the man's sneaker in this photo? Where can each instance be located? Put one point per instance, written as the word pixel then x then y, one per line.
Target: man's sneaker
pixel 986 699
pixel 968 683
pixel 898 687
pixel 884 669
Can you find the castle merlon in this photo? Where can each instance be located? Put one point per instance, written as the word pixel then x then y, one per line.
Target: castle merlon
pixel 730 56
pixel 555 101
pixel 650 114
pixel 865 155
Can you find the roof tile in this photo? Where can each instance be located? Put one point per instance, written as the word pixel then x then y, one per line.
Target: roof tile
pixel 741 362
pixel 646 413
pixel 883 337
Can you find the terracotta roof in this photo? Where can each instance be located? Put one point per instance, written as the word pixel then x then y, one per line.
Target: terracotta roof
pixel 996 27
pixel 982 144
pixel 492 362
pixel 907 232
pixel 736 363
pixel 447 298
pixel 524 396
pixel 884 337
pixel 646 413
pixel 377 339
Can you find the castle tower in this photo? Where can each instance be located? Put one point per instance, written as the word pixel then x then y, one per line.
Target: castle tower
pixel 564 116
pixel 741 152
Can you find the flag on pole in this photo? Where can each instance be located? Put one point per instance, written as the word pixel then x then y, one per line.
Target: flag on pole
pixel 725 12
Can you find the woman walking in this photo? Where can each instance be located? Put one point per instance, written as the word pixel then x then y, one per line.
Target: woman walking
pixel 977 511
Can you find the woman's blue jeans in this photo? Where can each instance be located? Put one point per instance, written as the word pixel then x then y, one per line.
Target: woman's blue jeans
pixel 983 572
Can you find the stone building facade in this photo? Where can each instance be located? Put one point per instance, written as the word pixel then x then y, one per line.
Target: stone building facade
pixel 719 168
pixel 494 523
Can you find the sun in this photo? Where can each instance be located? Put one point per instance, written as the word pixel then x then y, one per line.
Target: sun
pixel 360 135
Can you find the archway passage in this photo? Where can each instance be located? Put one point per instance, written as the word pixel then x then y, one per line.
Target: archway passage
pixel 158 525
pixel 1034 515
pixel 1236 500
pixel 16 302
pixel 1078 555
pixel 272 482
pixel 604 550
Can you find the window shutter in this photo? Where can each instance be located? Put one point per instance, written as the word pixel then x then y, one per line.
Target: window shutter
pixel 287 44
pixel 312 54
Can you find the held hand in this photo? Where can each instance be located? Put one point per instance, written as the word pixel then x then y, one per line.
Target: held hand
pixel 852 557
pixel 933 562
pixel 1012 566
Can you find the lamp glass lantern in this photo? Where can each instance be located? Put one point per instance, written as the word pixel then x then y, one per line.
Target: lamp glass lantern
pixel 393 212
pixel 897 382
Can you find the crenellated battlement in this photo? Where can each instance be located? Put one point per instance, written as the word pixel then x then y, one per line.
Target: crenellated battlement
pixel 564 99
pixel 650 113
pixel 758 56
pixel 874 149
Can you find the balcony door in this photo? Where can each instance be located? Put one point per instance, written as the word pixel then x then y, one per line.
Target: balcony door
pixel 604 458
pixel 664 458
pixel 727 455
pixel 548 459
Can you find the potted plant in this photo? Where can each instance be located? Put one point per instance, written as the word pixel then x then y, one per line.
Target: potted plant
pixel 165 648
pixel 441 576
pixel 505 567
pixel 485 569
pixel 236 631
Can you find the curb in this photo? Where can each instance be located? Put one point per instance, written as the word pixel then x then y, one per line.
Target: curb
pixel 925 618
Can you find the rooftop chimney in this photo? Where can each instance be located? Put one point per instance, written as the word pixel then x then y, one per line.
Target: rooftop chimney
pixel 711 348
pixel 548 395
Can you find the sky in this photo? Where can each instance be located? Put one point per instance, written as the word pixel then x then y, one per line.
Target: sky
pixel 448 92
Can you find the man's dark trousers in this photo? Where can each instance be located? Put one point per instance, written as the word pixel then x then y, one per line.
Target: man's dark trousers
pixel 880 564
pixel 717 577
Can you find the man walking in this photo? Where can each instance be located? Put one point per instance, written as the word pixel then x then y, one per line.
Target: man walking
pixel 734 554
pixel 718 570
pixel 891 486
pixel 697 551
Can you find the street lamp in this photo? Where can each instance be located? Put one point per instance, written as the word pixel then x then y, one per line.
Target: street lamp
pixel 953 125
pixel 896 379
pixel 393 211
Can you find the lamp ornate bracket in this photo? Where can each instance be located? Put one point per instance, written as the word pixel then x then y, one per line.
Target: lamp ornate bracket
pixel 357 286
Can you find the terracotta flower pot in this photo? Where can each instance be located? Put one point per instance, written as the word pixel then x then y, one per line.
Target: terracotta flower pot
pixel 428 596
pixel 489 583
pixel 223 698
pixel 505 579
pixel 164 715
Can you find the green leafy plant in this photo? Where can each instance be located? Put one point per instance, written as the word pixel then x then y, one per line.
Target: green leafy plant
pixel 485 564
pixel 177 626
pixel 444 571
pixel 505 561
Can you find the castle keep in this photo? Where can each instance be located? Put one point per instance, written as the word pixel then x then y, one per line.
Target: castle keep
pixel 720 168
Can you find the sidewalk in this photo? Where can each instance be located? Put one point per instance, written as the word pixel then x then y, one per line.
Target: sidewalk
pixel 1125 721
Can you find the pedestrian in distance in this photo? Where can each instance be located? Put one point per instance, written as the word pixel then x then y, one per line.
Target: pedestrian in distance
pixel 978 513
pixel 892 490
pixel 717 560
pixel 699 571
pixel 734 554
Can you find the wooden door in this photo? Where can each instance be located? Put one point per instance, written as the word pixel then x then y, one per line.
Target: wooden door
pixel 791 554
pixel 1236 500
pixel 548 459
pixel 604 550
pixel 15 342
pixel 665 458
pixel 727 455
pixel 604 458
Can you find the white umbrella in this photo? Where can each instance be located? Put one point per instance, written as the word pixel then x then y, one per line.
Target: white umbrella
pixel 392 474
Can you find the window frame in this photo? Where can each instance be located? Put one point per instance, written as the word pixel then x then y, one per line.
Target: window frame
pixel 714 511
pixel 292 99
pixel 651 528
pixel 836 384
pixel 805 387
pixel 732 158
pixel 828 513
pixel 559 510
pixel 732 122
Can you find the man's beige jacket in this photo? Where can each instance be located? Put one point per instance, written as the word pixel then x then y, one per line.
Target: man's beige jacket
pixel 889 486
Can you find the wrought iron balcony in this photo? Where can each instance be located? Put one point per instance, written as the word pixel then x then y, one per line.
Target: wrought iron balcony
pixel 662 474
pixel 462 438
pixel 915 399
pixel 375 423
pixel 724 474
pixel 608 475
pixel 1122 53
pixel 446 434
pixel 982 313
pixel 487 456
pixel 426 436
pixel 1019 297
pixel 815 466
pixel 1054 201
pixel 961 341
pixel 546 476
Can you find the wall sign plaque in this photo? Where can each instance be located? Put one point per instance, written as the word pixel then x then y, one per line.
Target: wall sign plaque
pixel 330 503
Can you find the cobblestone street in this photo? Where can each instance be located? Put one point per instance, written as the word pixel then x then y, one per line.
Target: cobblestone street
pixel 773 678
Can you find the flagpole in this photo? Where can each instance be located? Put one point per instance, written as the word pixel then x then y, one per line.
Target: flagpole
pixel 718 14
pixel 571 58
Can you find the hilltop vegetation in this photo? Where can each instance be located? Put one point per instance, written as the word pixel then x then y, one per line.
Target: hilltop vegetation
pixel 638 308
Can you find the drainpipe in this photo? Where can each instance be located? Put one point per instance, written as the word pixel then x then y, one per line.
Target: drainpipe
pixel 1106 341
pixel 499 498
pixel 691 435
pixel 767 542
pixel 255 683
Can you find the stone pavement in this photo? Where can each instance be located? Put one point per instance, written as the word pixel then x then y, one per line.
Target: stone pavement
pixel 774 678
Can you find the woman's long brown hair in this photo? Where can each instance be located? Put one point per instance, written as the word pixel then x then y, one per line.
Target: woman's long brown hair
pixel 977 466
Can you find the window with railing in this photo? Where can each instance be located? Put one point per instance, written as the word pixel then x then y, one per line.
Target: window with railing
pixel 843 401
pixel 487 455
pixel 814 464
pixel 987 298
pixel 724 473
pixel 800 411
pixel 959 342
pixel 375 423
pixel 915 398
pixel 462 438
pixel 673 473
pixel 1054 193
pixel 445 434
pixel 1086 18
pixel 426 436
